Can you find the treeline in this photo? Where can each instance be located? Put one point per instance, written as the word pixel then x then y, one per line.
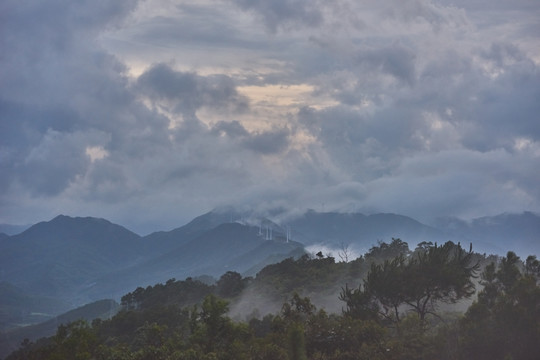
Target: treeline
pixel 395 310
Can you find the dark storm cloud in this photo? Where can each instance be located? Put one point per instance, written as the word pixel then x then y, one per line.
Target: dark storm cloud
pixel 396 60
pixel 61 95
pixel 232 129
pixel 53 163
pixel 510 106
pixel 268 142
pixel 187 92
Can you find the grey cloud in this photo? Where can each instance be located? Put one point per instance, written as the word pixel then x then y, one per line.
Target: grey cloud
pixel 232 129
pixel 268 142
pixel 162 82
pixel 491 101
pixel 422 111
pixel 456 182
pixel 413 10
pixel 202 26
pixel 187 92
pixel 61 93
pixel 396 60
pixel 53 163
pixel 503 53
pixel 57 23
pixel 366 145
pixel 510 105
pixel 280 13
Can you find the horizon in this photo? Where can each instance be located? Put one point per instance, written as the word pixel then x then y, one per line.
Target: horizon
pixel 282 218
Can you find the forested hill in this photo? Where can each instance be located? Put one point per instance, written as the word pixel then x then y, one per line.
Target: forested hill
pixel 430 302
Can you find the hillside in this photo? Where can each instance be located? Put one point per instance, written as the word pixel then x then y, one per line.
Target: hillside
pixel 61 257
pixel 504 232
pixel 69 261
pixel 10 340
pixel 168 240
pixel 229 246
pixel 283 313
pixel 73 261
pixel 18 308
pixel 360 230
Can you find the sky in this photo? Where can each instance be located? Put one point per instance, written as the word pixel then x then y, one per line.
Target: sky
pixel 149 113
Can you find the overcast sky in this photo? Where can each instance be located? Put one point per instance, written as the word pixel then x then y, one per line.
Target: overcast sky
pixel 149 113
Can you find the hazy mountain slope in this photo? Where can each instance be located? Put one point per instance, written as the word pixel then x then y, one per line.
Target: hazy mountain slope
pixel 9 229
pixel 517 232
pixel 216 248
pixel 276 250
pixel 360 230
pixel 167 240
pixel 18 308
pixel 229 246
pixel 59 257
pixel 78 260
pixel 273 259
pixel 10 341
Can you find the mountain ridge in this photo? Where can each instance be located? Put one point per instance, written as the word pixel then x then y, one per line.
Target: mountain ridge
pixel 83 259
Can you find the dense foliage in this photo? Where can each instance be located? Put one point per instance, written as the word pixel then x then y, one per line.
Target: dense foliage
pixel 393 312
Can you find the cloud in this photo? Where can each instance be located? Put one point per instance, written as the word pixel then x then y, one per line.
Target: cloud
pixel 268 142
pixel 185 93
pixel 284 13
pixel 418 107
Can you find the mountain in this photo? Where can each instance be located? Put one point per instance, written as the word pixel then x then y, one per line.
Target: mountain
pixel 227 247
pixel 361 231
pixel 61 257
pixel 9 229
pixel 78 260
pixel 73 261
pixel 168 240
pixel 10 340
pixel 499 234
pixel 492 235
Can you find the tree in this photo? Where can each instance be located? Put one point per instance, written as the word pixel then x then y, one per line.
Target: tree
pixel 509 272
pixel 360 304
pixel 532 266
pixel 344 252
pixel 386 283
pixel 505 321
pixel 75 340
pixel 296 342
pixel 439 274
pixel 389 251
pixel 212 317
pixel 298 309
pixel 230 284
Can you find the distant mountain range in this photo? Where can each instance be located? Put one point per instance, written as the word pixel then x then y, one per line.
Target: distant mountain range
pixel 73 261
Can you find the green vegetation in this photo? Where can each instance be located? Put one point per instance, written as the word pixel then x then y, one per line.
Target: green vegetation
pixel 398 309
